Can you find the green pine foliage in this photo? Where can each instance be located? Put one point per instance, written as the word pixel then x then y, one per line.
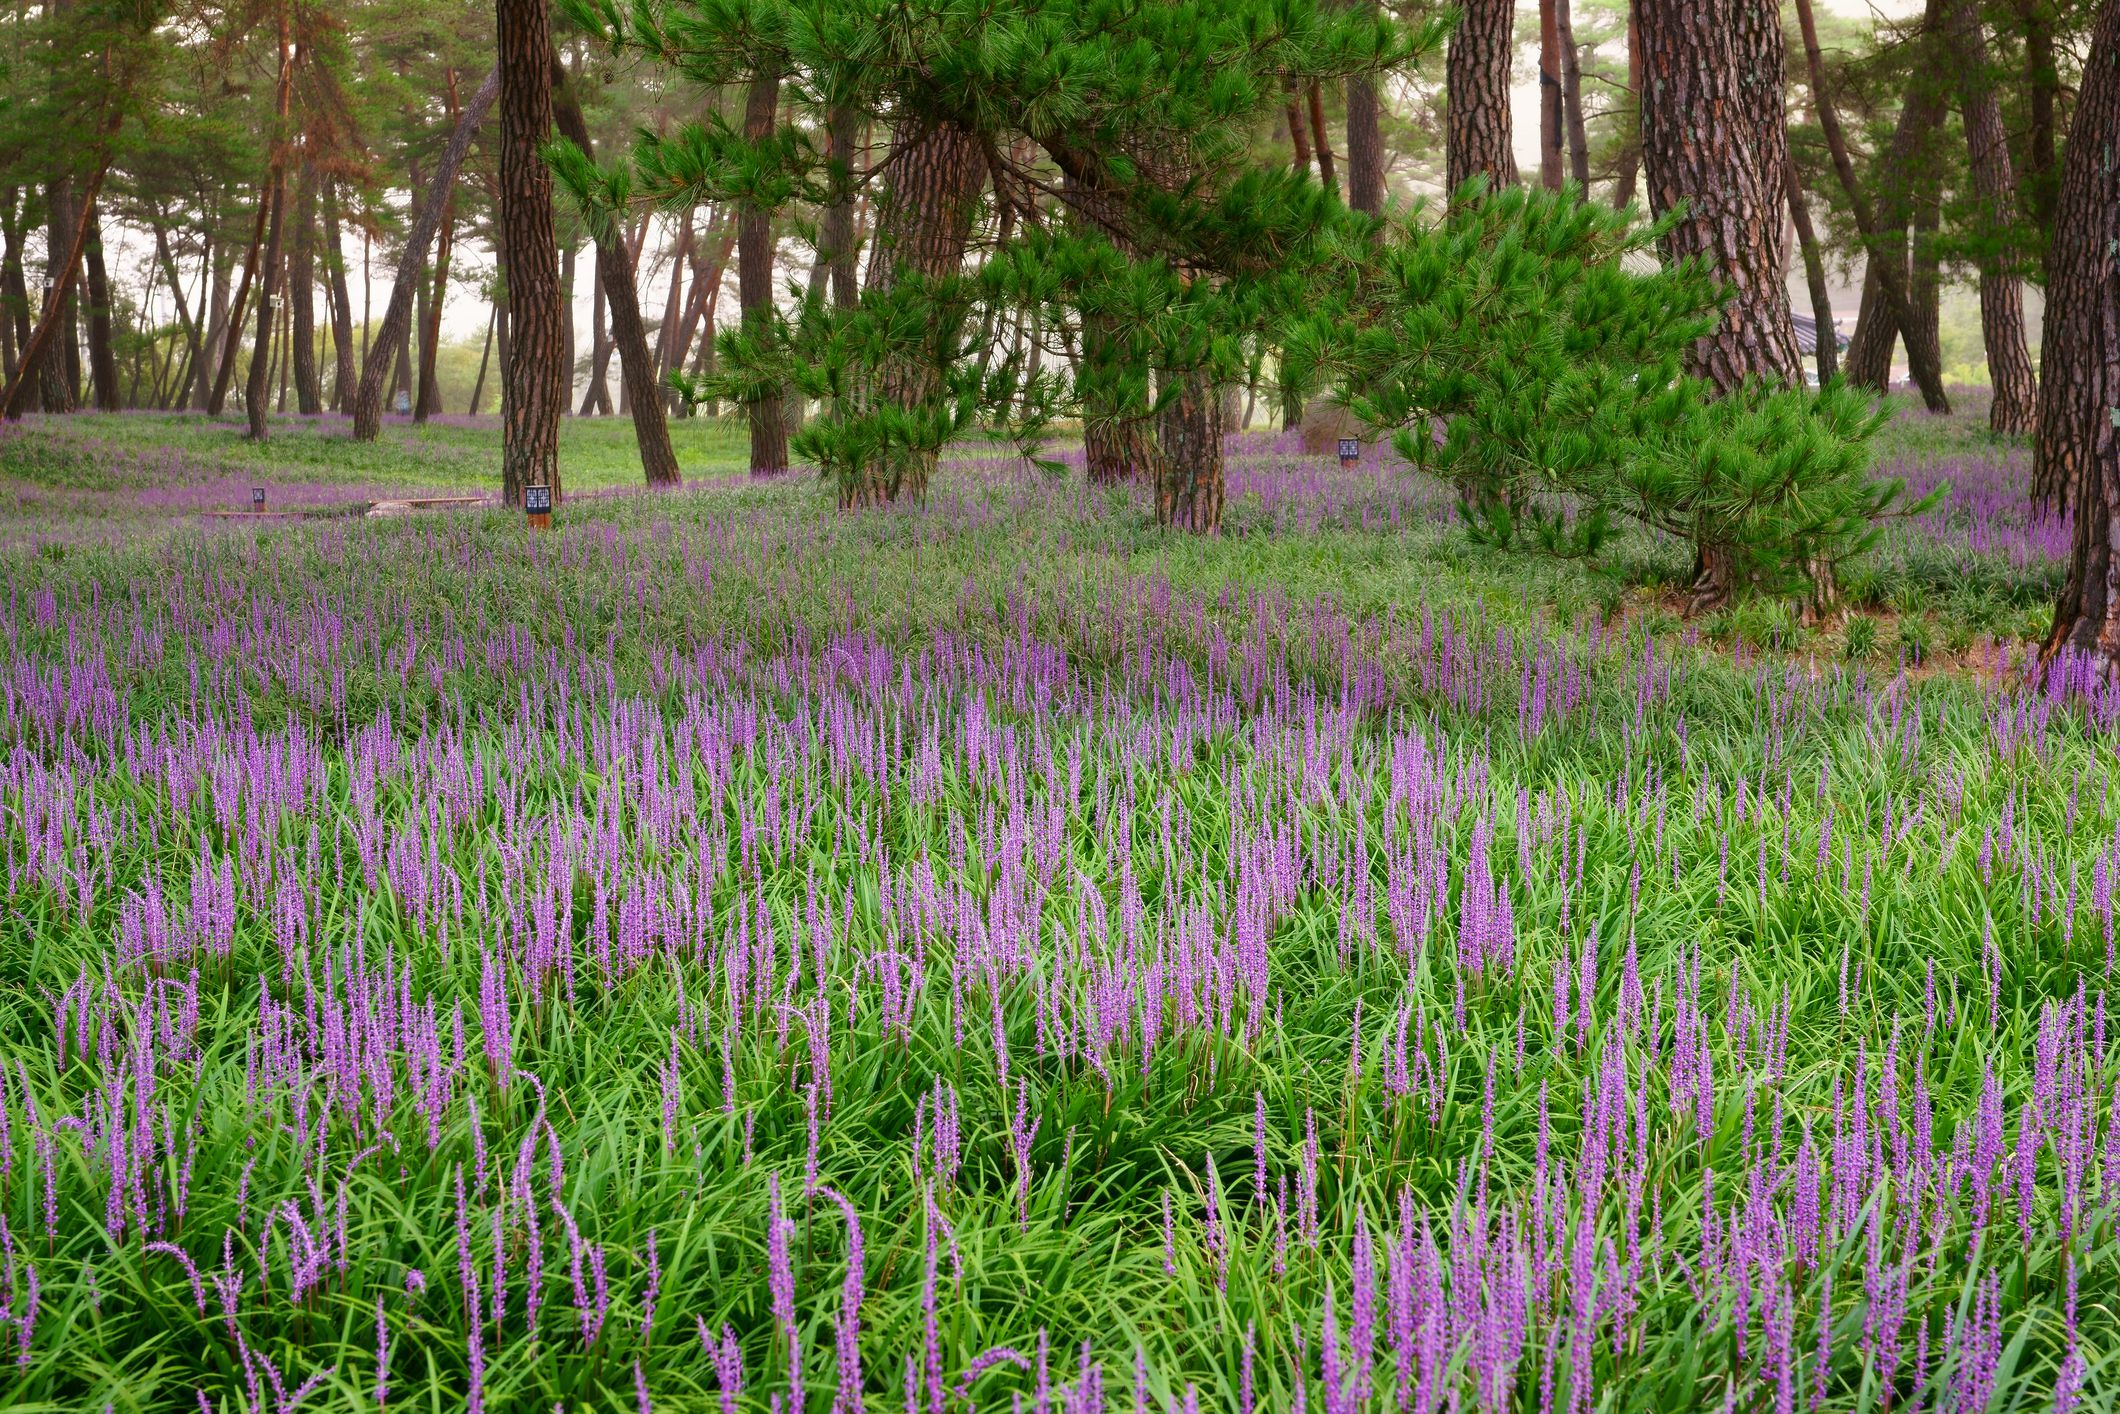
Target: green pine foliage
pixel 1529 349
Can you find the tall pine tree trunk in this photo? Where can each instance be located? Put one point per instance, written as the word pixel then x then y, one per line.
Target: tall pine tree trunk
pixel 2015 407
pixel 1477 139
pixel 239 303
pixel 566 301
pixel 596 398
pixel 14 287
pixel 57 368
pixel 216 258
pixel 534 383
pixel 344 376
pixel 1701 145
pixel 1572 98
pixel 397 318
pixel 1706 68
pixel 102 355
pixel 615 264
pixel 257 387
pixel 2079 430
pixel 1552 142
pixel 2042 87
pixel 302 292
pixel 1365 139
pixel 835 233
pixel 1189 490
pixel 924 226
pixel 429 401
pixel 2076 457
pixel 1630 153
pixel 754 283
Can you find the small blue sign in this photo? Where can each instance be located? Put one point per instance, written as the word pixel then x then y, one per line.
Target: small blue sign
pixel 537 500
pixel 1350 451
pixel 257 498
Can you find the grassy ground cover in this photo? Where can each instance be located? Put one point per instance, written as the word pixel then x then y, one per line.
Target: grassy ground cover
pixel 727 955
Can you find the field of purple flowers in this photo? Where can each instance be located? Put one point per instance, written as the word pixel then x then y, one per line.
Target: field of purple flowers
pixel 725 955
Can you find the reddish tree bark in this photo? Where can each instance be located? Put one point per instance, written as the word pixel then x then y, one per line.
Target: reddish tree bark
pixel 2080 418
pixel 2075 463
pixel 38 346
pixel 1477 137
pixel 1365 141
pixel 301 293
pixel 2015 407
pixel 533 376
pixel 1189 489
pixel 1700 146
pixel 924 225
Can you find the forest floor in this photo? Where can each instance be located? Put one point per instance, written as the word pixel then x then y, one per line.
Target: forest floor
pixel 992 949
pixel 1949 586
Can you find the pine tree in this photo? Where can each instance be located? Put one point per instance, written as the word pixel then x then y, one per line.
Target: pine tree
pixel 1144 113
pixel 533 376
pixel 1476 113
pixel 1515 351
pixel 2079 426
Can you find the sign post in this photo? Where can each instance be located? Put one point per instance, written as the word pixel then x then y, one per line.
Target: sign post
pixel 1350 451
pixel 257 498
pixel 537 507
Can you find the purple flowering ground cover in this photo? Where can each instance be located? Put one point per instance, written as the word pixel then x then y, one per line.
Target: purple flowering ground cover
pixel 725 955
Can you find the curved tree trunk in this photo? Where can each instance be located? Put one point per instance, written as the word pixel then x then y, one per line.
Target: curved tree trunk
pixel 614 276
pixel 533 382
pixel 37 349
pixel 397 318
pixel 1699 146
pixel 1888 304
pixel 2081 420
pixel 57 377
pixel 2001 295
pixel 1477 138
pixel 2075 463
